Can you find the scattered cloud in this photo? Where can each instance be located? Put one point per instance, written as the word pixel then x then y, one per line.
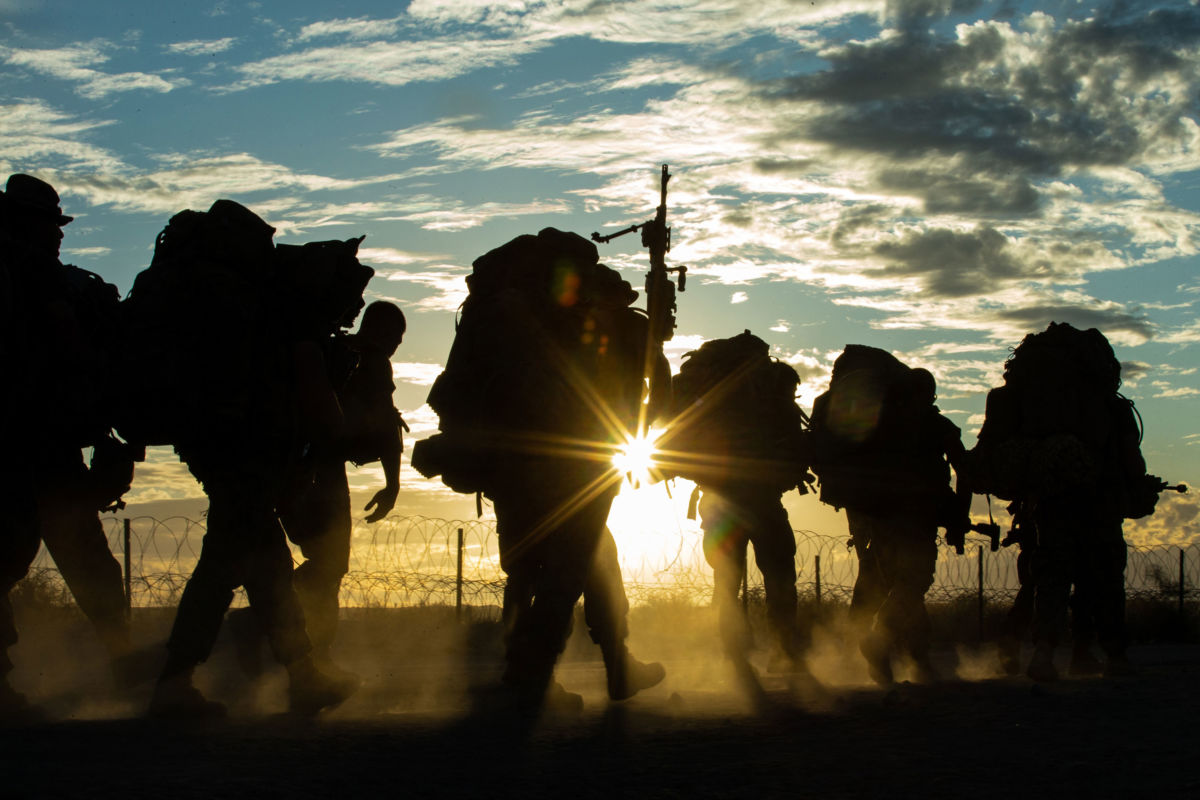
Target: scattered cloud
pixel 416 373
pixel 78 64
pixel 201 47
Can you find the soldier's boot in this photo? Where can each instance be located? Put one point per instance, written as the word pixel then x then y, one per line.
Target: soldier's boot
pixel 175 697
pixel 1009 651
pixel 1041 666
pixel 558 700
pixel 324 661
pixel 875 649
pixel 1083 662
pixel 1119 666
pixel 311 690
pixel 627 676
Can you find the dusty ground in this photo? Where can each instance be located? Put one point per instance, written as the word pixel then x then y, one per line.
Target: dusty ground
pixel 416 729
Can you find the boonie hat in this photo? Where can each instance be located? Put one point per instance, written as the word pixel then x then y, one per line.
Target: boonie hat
pixel 34 196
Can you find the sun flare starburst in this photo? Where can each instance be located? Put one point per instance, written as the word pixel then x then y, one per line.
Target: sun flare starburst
pixel 636 457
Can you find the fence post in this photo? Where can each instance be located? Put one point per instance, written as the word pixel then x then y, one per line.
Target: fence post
pixel 458 585
pixel 1181 581
pixel 128 576
pixel 817 567
pixel 980 593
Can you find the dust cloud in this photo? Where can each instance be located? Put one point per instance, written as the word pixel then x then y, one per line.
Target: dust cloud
pixel 433 662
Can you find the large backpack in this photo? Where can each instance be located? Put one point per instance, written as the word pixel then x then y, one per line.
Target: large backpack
pixel 206 327
pixel 735 418
pixel 1051 428
pixel 544 335
pixel 875 447
pixel 60 335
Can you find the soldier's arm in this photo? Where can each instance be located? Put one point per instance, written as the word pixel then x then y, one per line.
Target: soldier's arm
pixel 956 454
pixel 391 446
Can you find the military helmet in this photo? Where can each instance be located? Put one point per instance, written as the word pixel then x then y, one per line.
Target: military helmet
pixel 26 194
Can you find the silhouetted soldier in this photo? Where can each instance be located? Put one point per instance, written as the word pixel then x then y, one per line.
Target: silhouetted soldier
pixel 1059 438
pixel 737 432
pixel 895 489
pixel 544 379
pixel 242 455
pixel 54 317
pixel 315 511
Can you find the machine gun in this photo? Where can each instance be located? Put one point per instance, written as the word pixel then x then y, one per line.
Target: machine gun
pixel 1163 486
pixel 660 291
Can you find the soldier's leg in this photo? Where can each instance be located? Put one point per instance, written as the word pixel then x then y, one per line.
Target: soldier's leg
pixel 321 527
pixel 563 558
pixel 725 540
pixel 75 539
pixel 606 611
pixel 605 606
pixel 1108 595
pixel 1020 615
pixel 1054 567
pixel 244 545
pixel 910 568
pixel 869 589
pixel 19 544
pixel 775 553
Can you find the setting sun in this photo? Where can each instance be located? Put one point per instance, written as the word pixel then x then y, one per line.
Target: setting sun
pixel 635 458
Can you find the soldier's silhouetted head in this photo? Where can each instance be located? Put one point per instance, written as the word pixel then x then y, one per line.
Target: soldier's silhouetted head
pixel 383 325
pixel 31 213
pixel 922 386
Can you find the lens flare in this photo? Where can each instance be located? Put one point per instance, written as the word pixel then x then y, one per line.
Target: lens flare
pixel 635 458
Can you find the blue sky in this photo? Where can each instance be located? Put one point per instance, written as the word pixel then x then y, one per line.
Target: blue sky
pixel 937 177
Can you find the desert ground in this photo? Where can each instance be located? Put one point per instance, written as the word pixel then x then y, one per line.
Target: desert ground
pixel 423 726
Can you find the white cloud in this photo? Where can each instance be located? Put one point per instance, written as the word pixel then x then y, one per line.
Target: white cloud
pixel 416 373
pixel 387 63
pixel 201 47
pixel 33 133
pixel 77 65
pixel 87 251
pixel 447 281
pixel 1168 391
pixel 358 28
pixel 738 297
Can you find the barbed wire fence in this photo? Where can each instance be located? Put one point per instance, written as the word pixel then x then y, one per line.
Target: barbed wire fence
pixel 406 561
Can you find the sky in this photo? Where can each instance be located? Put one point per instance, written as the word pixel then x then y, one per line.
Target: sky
pixel 935 177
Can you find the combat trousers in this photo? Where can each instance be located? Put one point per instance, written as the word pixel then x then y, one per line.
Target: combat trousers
pixel 1019 620
pixel 732 519
pixel 316 516
pixel 605 606
pixel 244 546
pixel 899 557
pixel 549 519
pixel 19 544
pixel 1086 548
pixel 55 508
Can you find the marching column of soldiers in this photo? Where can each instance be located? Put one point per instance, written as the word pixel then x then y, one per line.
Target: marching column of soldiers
pixel 551 370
